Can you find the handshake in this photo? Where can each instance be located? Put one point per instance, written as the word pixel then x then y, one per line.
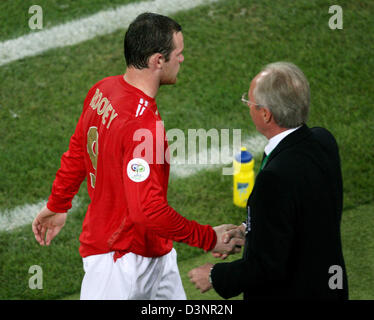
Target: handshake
pixel 230 239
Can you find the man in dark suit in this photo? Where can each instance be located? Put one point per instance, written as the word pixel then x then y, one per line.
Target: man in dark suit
pixel 293 246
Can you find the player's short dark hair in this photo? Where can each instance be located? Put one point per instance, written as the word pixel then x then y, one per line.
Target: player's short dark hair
pixel 148 34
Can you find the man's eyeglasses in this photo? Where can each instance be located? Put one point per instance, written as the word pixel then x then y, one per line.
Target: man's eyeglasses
pixel 247 102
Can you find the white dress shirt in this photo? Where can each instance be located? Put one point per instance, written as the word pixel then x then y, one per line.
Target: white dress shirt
pixel 274 141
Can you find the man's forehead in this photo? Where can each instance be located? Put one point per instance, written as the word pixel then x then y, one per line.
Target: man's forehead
pixel 261 75
pixel 178 39
pixel 178 36
pixel 257 78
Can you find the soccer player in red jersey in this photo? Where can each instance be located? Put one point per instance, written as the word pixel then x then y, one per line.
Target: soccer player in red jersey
pixel 119 145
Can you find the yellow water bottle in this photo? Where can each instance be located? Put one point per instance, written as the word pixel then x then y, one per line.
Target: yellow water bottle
pixel 244 177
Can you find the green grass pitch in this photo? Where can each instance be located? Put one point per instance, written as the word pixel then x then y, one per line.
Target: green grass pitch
pixel 226 44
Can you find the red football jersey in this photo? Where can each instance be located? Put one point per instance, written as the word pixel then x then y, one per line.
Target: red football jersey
pixel 119 145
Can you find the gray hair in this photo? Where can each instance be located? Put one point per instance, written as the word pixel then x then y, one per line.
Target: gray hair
pixel 284 90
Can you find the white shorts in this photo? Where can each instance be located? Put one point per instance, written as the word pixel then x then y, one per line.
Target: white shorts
pixel 132 277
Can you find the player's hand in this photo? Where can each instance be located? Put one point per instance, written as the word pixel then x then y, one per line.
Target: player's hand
pixel 230 239
pixel 47 225
pixel 236 233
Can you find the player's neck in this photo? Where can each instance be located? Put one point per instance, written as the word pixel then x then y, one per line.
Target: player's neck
pixel 143 80
pixel 273 130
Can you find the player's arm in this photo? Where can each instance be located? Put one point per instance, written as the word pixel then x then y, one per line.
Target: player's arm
pixel 51 219
pixel 72 170
pixel 148 205
pixel 69 176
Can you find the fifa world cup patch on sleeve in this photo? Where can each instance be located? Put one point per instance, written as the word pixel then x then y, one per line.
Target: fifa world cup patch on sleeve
pixel 138 170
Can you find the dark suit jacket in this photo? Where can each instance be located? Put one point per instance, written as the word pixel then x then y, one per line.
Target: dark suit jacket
pixel 294 220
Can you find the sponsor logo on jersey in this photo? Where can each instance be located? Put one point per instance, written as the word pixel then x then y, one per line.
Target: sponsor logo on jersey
pixel 143 104
pixel 138 170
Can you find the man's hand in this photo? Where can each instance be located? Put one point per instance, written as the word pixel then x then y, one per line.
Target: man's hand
pixel 200 277
pixel 230 239
pixel 237 232
pixel 47 222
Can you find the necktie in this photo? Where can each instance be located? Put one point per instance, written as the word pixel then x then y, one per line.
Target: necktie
pixel 264 160
pixel 263 157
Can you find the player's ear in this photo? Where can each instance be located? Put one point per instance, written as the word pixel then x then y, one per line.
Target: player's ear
pixel 156 61
pixel 267 115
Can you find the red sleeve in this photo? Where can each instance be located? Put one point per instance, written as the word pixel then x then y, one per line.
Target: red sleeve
pixel 147 199
pixel 72 171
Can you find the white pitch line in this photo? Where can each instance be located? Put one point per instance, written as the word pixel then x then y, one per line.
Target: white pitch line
pixel 25 214
pixel 84 29
pixel 180 168
pixel 77 31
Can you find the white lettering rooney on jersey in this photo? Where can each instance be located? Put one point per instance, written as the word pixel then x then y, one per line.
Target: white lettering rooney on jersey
pixel 103 108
